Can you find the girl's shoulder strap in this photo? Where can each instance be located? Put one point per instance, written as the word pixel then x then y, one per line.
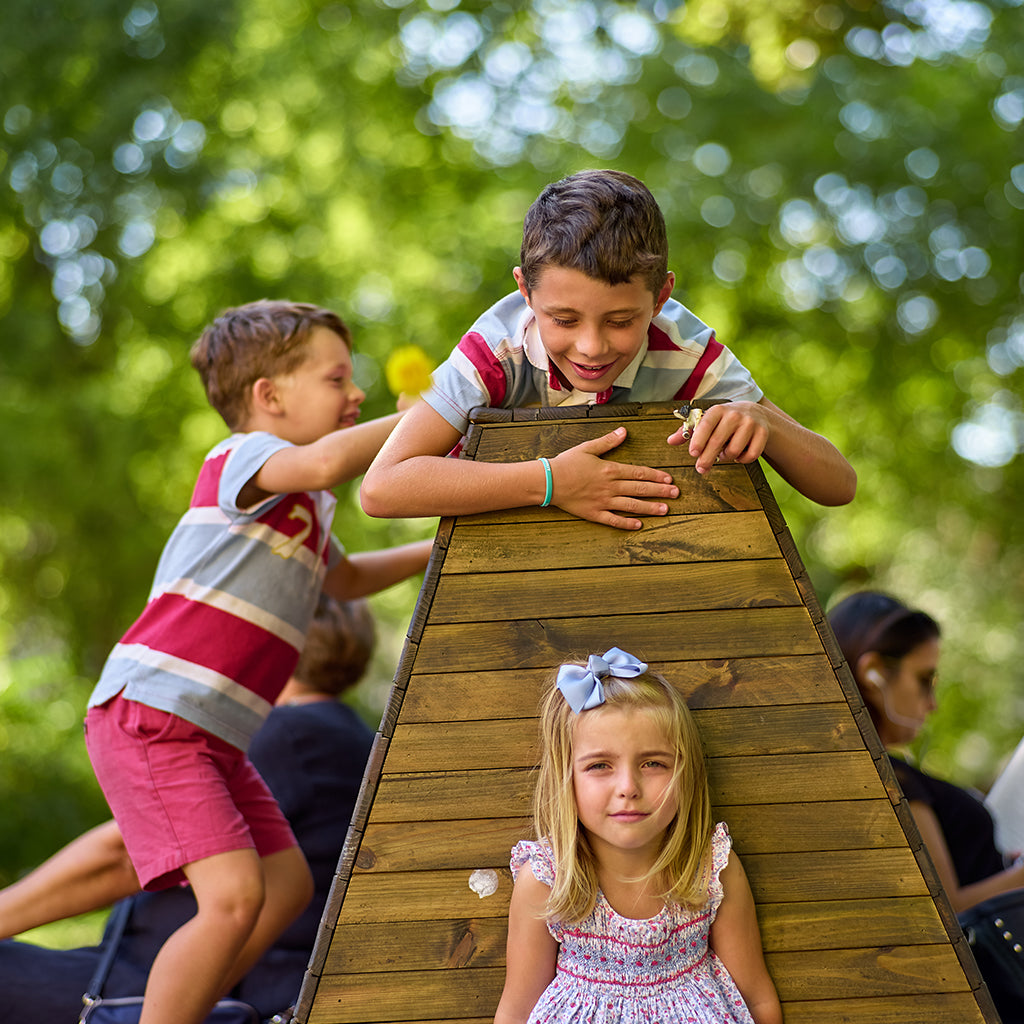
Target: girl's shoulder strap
pixel 539 856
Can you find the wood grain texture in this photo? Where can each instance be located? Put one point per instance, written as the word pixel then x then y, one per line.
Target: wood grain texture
pixel 459 695
pixel 715 597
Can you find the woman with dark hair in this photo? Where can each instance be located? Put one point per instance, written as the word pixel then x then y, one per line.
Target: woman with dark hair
pixel 893 654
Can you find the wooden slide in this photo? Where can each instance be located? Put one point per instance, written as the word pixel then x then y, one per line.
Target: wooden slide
pixel 714 596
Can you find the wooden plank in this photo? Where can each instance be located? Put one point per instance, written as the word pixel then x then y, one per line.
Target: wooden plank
pixel 419 945
pixel 865 972
pixel 854 875
pixel 785 729
pixel 844 985
pixel 833 924
pixel 759 828
pixel 841 875
pixel 790 778
pixel 953 1008
pixel 448 796
pixel 535 643
pixel 798 928
pixel 733 682
pixel 498 596
pixel 791 828
pixel 413 995
pixel 422 896
pixel 507 792
pixel 431 845
pixel 645 442
pixel 456 746
pixel 480 941
pixel 574 544
pixel 725 489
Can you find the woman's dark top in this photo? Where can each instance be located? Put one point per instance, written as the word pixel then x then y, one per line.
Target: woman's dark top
pixel 966 825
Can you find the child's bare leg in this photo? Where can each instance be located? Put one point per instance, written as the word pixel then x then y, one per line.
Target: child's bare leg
pixel 191 971
pixel 91 872
pixel 289 888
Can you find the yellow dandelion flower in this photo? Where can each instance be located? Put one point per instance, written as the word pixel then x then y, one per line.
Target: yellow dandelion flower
pixel 408 370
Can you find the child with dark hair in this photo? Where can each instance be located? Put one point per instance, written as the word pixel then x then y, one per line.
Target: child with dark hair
pixel 592 322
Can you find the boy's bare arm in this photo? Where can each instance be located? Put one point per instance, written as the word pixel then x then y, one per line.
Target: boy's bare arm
pixel 369 571
pixel 90 873
pixel 411 477
pixel 337 457
pixel 744 431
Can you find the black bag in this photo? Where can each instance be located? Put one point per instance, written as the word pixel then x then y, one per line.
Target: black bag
pixel 995 932
pixel 126 1009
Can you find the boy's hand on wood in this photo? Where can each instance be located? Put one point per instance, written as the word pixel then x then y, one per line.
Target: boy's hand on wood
pixel 731 432
pixel 606 492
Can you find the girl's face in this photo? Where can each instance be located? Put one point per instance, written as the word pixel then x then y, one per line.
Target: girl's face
pixel 907 697
pixel 623 765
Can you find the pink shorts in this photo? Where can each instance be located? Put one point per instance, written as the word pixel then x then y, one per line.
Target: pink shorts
pixel 178 793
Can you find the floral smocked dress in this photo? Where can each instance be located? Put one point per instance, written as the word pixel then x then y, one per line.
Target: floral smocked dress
pixel 618 970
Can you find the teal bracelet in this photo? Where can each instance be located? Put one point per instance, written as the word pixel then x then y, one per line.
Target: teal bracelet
pixel 548 482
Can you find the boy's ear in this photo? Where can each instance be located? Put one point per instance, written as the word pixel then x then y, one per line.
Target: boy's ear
pixel 517 273
pixel 666 290
pixel 264 396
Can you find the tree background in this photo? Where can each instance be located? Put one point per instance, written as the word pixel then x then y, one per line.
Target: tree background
pixel 844 189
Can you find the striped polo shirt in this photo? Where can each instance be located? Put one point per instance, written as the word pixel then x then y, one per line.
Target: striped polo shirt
pixel 233 597
pixel 501 363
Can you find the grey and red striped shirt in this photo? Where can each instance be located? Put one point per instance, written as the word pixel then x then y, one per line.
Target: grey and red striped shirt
pixel 234 594
pixel 501 363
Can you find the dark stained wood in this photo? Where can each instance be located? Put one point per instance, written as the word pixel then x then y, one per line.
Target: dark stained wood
pixel 889 971
pixel 782 778
pixel 500 596
pixel 456 746
pixel 883 922
pixel 756 828
pixel 888 983
pixel 415 995
pixel 785 928
pixel 796 827
pixel 422 896
pixel 575 544
pixel 434 845
pixel 725 489
pixel 531 643
pixel 956 1008
pixel 730 682
pixel 838 874
pixel 714 596
pixel 420 945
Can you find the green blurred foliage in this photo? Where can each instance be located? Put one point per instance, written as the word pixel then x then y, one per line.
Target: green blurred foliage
pixel 843 184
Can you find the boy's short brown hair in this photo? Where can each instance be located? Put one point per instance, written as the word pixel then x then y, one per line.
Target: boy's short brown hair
pixel 339 645
pixel 259 339
pixel 606 224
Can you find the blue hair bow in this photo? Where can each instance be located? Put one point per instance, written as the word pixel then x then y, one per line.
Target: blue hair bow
pixel 582 687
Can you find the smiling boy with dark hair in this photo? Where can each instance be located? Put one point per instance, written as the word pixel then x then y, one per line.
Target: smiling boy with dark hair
pixel 592 322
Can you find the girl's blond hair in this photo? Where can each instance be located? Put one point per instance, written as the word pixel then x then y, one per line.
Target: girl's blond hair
pixel 683 863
